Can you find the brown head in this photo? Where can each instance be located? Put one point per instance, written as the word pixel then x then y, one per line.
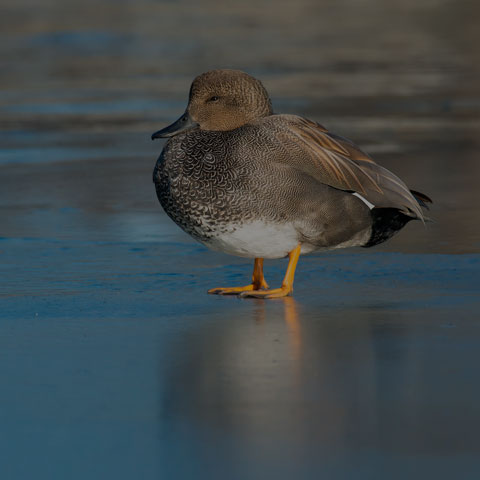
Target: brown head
pixel 221 100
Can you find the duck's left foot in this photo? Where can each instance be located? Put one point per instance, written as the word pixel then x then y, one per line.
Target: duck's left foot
pixel 234 290
pixel 283 291
pixel 253 287
pixel 258 282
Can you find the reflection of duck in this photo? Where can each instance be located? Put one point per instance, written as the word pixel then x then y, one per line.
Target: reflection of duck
pixel 292 321
pixel 267 380
pixel 249 183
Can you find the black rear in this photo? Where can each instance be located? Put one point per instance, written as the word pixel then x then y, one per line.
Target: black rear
pixel 386 223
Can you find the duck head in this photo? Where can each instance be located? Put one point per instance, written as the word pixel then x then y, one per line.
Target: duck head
pixel 221 100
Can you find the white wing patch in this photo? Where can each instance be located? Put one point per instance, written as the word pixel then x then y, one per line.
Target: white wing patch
pixel 364 200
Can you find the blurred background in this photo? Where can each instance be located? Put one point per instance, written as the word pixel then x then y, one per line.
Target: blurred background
pixel 116 364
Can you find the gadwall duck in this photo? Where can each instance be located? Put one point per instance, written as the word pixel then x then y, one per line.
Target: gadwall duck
pixel 245 181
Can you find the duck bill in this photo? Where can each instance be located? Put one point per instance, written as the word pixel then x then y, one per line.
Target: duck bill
pixel 181 125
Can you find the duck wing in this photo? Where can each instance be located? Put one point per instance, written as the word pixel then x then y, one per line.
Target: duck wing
pixel 338 162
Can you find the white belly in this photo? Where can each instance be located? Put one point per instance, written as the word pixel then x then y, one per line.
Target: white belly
pixel 257 240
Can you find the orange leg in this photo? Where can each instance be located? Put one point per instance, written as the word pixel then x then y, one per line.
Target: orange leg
pixel 287 284
pixel 258 282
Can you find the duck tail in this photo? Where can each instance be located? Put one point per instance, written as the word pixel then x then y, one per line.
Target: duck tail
pixel 422 199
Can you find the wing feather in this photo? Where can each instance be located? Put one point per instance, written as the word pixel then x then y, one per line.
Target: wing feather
pixel 338 162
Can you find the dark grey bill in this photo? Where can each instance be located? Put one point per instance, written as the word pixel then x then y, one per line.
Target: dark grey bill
pixel 182 124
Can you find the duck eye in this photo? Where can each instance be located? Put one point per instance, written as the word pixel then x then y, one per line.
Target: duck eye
pixel 213 99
